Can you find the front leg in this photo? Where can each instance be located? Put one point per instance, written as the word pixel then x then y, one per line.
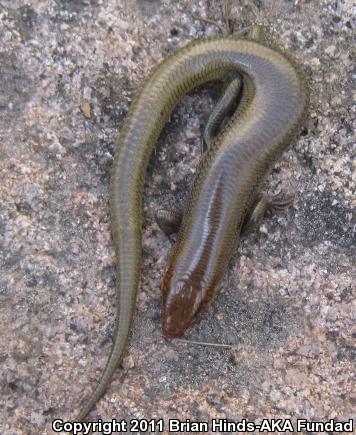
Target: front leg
pixel 259 208
pixel 169 220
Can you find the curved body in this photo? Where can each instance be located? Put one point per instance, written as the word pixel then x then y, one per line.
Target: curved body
pixel 230 173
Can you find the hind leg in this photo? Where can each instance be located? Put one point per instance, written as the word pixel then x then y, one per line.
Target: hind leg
pixel 225 105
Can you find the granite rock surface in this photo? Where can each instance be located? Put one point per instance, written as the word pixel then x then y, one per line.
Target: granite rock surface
pixel 286 310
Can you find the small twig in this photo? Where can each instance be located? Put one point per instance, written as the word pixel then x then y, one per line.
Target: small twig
pixel 227 16
pixel 4 7
pixel 202 343
pixel 207 21
pixel 228 27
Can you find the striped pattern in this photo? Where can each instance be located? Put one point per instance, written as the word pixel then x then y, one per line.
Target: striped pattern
pixel 272 107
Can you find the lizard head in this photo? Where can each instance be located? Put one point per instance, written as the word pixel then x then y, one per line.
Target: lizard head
pixel 182 299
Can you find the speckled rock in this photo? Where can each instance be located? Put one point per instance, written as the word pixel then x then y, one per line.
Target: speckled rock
pixel 68 71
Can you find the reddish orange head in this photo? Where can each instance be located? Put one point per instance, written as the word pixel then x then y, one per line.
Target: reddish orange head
pixel 182 299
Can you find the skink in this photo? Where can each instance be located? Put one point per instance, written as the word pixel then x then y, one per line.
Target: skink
pixel 225 190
